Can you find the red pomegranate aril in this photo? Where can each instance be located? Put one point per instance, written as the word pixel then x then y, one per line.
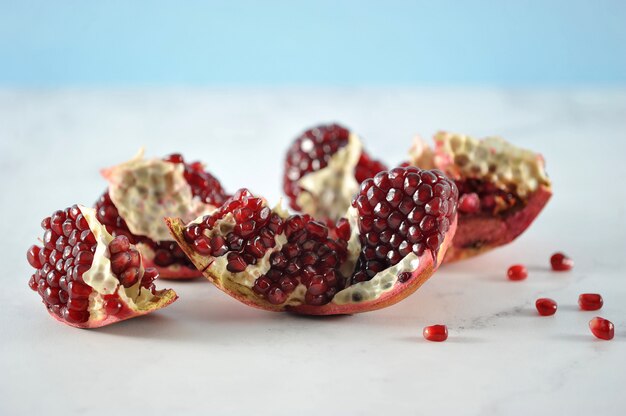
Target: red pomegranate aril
pixel 560 262
pixel 546 306
pixel 602 328
pixel 202 245
pixel 517 272
pixel 33 257
pixel 119 244
pixel 119 262
pixel 469 203
pixel 112 306
pixel 436 333
pixel 129 276
pixel 590 301
pixel 276 296
pixel 236 263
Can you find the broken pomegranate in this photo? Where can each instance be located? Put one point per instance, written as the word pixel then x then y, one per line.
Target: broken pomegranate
pixel 323 169
pixel 144 191
pixel 393 238
pixel 546 306
pixel 436 333
pixel 590 301
pixel 87 278
pixel 502 188
pixel 602 328
pixel 561 263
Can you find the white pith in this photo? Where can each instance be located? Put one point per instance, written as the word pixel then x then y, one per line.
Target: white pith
pixel 328 192
pixel 492 159
pixel 100 278
pixel 382 282
pixel 145 191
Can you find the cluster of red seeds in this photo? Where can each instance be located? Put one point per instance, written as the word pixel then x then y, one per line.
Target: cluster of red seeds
pixel 478 196
pixel 67 253
pixel 311 152
pixel 310 256
pixel 252 234
pixel 166 253
pixel 401 211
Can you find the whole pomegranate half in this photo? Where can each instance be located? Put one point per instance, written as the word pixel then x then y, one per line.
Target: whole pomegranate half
pixel 88 278
pixel 502 188
pixel 324 167
pixel 393 238
pixel 144 191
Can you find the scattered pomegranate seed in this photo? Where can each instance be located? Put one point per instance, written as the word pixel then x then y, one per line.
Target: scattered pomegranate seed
pixel 436 333
pixel 517 272
pixel 560 262
pixel 545 306
pixel 602 328
pixel 590 301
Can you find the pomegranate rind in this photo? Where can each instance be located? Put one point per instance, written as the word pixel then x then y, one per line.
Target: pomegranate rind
pixel 162 298
pixel 428 264
pixel 498 162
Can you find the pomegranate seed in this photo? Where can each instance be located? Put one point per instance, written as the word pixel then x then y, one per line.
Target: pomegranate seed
pixel 436 333
pixel 602 328
pixel 590 301
pixel 517 272
pixel 546 306
pixel 469 203
pixel 560 262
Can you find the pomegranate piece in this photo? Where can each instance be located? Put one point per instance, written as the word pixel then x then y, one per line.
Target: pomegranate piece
pixel 393 238
pixel 436 333
pixel 546 306
pixel 87 278
pixel 144 191
pixel 323 169
pixel 602 328
pixel 517 272
pixel 502 188
pixel 590 301
pixel 560 262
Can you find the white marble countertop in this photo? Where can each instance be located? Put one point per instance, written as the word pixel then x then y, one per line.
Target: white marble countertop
pixel 212 355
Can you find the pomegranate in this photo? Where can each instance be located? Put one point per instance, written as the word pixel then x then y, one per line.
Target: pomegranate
pixel 502 188
pixel 602 328
pixel 561 263
pixel 546 306
pixel 590 301
pixel 392 240
pixel 144 191
pixel 436 333
pixel 86 277
pixel 517 272
pixel 323 169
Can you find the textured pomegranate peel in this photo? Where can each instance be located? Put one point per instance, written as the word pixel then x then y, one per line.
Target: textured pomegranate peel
pixel 87 278
pixel 502 188
pixel 144 191
pixel 274 261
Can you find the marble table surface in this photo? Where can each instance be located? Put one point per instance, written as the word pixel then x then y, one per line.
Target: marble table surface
pixel 208 354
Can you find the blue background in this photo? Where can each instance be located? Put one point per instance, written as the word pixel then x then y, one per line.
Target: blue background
pixel 239 42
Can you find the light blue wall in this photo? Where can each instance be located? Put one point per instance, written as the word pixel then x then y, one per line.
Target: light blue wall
pixel 239 42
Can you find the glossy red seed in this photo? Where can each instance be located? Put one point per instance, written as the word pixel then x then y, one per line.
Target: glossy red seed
pixel 436 333
pixel 119 244
pixel 546 306
pixel 517 272
pixel 602 328
pixel 590 301
pixel 469 203
pixel 112 306
pixel 560 262
pixel 276 296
